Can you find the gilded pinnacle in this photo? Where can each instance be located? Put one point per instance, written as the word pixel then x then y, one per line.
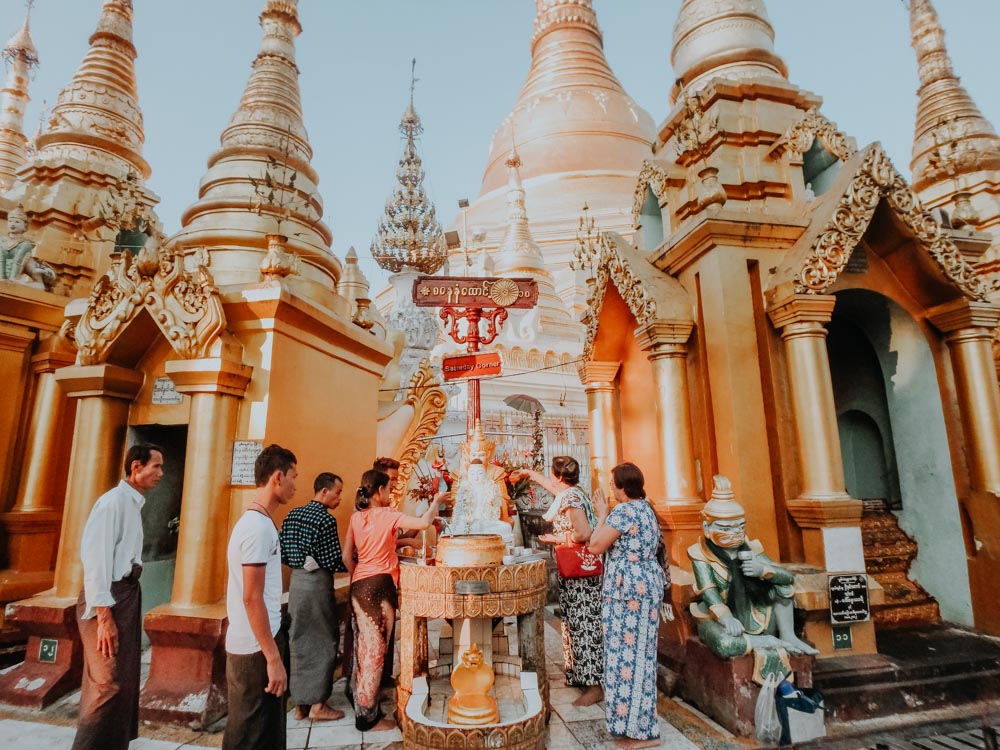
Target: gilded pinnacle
pixel 409 233
pixel 952 138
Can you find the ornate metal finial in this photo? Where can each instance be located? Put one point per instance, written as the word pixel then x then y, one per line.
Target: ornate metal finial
pixel 20 46
pixel 409 234
pixel 587 250
pixel 413 79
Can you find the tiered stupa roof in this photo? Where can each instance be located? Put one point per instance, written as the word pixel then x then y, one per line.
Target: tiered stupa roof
pixel 732 39
pixel 21 57
pixel 99 109
pixel 955 149
pixel 572 119
pixel 265 141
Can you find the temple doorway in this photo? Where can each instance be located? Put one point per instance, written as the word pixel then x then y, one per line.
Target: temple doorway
pixel 161 513
pixel 897 461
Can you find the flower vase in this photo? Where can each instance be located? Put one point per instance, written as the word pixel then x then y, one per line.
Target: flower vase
pixel 710 190
pixel 277 263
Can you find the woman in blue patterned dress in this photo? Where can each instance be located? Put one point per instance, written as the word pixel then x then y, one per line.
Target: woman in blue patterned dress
pixel 633 592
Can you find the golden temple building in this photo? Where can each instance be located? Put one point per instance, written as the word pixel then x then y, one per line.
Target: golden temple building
pixel 749 292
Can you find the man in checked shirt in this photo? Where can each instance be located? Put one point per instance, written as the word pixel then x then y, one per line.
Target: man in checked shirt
pixel 310 546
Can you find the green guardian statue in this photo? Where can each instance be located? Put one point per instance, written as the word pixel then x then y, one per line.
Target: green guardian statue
pixel 745 600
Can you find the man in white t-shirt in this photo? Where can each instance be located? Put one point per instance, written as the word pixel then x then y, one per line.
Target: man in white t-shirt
pixel 256 645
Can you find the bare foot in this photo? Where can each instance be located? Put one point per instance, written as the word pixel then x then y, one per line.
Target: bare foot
pixel 322 712
pixel 301 712
pixel 590 696
pixel 383 726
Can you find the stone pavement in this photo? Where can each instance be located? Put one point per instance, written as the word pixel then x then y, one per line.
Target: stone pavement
pixel 569 727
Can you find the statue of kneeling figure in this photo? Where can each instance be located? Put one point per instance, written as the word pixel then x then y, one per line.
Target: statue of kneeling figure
pixel 745 600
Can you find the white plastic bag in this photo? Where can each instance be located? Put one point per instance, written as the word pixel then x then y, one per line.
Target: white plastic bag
pixel 765 715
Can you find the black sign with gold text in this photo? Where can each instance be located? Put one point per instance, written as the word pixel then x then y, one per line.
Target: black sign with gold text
pixel 849 598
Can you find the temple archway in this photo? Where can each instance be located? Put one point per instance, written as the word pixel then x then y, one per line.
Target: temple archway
pixel 888 398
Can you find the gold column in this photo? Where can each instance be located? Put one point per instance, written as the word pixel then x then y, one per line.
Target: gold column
pixel 829 518
pixel 665 341
pixel 32 525
pixel 604 416
pixel 215 387
pixel 968 328
pixel 801 319
pixel 823 503
pixel 40 481
pixel 105 393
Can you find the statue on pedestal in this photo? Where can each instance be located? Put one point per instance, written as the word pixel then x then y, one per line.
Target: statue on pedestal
pixel 17 263
pixel 745 600
pixel 479 492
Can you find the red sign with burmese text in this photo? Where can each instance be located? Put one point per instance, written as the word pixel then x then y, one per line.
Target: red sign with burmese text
pixel 471 366
pixel 471 291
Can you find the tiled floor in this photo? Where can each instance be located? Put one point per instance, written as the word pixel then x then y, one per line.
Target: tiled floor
pixel 569 727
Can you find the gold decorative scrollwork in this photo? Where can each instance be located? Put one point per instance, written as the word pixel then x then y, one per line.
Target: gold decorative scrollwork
pixel 184 305
pixel 429 402
pixel 612 267
pixel 799 137
pixel 654 178
pixel 876 178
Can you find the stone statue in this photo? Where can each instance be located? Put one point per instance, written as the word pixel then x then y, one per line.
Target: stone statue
pixel 479 492
pixel 745 602
pixel 17 263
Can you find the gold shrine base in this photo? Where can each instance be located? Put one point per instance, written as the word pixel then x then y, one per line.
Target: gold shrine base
pixel 427 592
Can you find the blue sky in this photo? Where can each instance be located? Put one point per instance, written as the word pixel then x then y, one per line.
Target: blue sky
pixel 472 58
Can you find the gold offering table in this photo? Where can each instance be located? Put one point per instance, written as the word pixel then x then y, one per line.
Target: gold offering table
pixel 429 592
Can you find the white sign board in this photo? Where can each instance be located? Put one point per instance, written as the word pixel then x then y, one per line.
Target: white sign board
pixel 245 453
pixel 164 393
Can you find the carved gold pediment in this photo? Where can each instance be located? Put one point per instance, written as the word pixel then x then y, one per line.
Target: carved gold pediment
pixel 871 179
pixel 799 137
pixel 650 294
pixel 184 305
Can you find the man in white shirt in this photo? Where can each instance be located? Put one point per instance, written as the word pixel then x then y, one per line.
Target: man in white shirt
pixel 256 644
pixel 109 612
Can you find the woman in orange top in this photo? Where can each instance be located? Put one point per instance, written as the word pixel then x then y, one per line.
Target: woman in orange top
pixel 371 538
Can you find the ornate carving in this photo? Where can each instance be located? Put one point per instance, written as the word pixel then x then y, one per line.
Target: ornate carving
pixel 429 402
pixel 612 267
pixel 799 137
pixel 653 177
pixel 184 305
pixel 876 179
pixel 696 132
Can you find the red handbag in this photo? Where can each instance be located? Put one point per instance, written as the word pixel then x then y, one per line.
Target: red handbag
pixel 575 560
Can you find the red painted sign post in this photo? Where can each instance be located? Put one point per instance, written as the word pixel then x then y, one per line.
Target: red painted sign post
pixel 474 300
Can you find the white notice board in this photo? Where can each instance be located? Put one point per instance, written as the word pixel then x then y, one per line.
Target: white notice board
pixel 245 453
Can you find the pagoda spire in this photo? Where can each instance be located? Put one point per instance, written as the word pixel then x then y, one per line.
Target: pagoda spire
pixel 732 39
pixel 409 234
pixel 265 142
pixel 518 252
pixel 99 108
pixel 21 58
pixel 952 139
pixel 572 114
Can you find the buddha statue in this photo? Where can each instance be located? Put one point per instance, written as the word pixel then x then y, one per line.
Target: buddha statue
pixel 472 679
pixel 479 492
pixel 745 600
pixel 17 263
